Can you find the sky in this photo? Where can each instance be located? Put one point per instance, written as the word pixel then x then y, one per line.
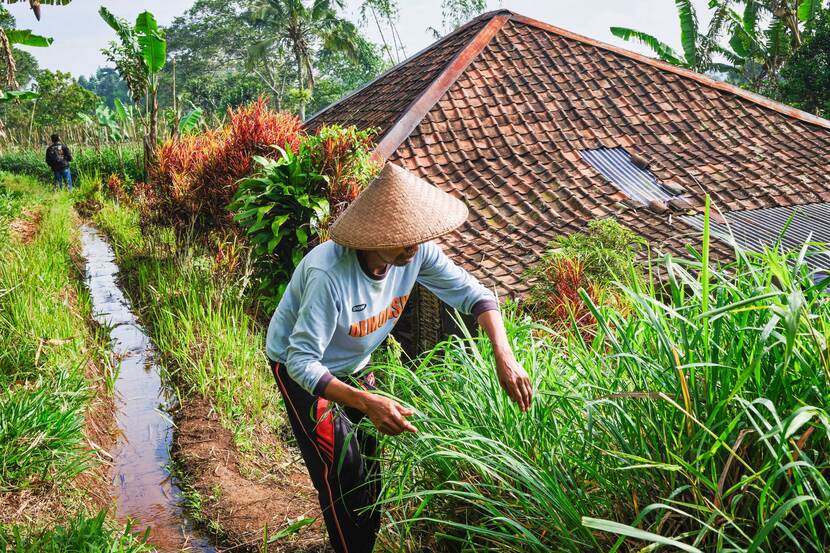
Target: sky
pixel 80 33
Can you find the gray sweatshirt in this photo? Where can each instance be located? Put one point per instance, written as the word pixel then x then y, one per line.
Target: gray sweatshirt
pixel 333 314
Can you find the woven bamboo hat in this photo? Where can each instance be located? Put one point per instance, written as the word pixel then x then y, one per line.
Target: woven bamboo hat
pixel 397 209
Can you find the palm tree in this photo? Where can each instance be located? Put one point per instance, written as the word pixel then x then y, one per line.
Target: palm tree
pixel 761 38
pixel 302 30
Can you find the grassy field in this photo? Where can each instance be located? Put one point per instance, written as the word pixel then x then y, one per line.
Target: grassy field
pixel 124 162
pixel 691 416
pixel 694 418
pixel 51 364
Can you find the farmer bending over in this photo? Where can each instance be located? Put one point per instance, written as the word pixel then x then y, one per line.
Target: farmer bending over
pixel 58 158
pixel 343 300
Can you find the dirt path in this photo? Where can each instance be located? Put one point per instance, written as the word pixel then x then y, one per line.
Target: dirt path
pixel 26 227
pixel 243 507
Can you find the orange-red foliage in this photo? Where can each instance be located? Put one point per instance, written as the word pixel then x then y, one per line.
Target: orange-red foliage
pixel 198 174
pixel 562 305
pixel 337 154
pixel 116 188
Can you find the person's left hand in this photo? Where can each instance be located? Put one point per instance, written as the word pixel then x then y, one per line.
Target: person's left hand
pixel 514 380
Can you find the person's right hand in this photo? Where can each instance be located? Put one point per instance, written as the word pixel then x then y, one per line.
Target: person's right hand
pixel 388 416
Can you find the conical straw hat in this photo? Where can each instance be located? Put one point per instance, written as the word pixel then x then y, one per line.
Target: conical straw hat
pixel 397 209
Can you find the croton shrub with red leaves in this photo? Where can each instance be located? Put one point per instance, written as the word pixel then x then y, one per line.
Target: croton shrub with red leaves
pixel 197 175
pixel 594 260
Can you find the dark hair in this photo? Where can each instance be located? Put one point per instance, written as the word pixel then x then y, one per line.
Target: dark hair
pixel 56 138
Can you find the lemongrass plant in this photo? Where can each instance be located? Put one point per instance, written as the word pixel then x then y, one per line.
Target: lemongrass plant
pixel 696 420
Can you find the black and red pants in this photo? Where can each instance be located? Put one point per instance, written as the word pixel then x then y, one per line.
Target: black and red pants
pixel 341 458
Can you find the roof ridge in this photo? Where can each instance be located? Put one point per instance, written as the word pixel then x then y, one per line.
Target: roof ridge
pixel 722 86
pixel 430 46
pixel 412 115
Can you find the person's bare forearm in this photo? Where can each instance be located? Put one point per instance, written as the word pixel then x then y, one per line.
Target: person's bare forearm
pixel 512 376
pixel 348 396
pixel 493 326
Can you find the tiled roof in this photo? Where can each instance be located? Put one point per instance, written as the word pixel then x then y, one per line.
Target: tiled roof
pixel 498 112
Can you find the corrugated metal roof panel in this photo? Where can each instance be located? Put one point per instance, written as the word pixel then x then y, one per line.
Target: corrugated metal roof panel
pixel 763 228
pixel 616 165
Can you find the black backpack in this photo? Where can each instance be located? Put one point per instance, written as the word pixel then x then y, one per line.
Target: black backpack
pixel 55 156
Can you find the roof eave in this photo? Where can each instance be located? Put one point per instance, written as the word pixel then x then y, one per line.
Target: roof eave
pixel 417 110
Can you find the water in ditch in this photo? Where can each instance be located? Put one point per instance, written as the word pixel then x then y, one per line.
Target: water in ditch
pixel 143 488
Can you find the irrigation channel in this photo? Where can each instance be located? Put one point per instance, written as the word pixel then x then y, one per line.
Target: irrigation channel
pixel 144 489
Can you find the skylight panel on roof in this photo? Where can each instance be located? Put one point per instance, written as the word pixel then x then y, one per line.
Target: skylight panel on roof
pixel 793 226
pixel 617 165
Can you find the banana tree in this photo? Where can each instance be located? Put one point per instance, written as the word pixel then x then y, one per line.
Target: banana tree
pixel 8 38
pixel 126 117
pixel 184 123
pixel 35 4
pixel 140 56
pixel 698 48
pixel 11 37
pixel 106 121
pixel 765 34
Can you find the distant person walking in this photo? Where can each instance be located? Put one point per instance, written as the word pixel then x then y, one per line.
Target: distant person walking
pixel 58 158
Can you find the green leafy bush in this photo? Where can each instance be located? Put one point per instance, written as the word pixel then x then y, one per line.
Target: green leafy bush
pixel 590 260
pixel 605 249
pixel 286 208
pixel 281 211
pixel 127 164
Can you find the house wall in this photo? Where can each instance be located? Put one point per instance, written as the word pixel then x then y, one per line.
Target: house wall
pixel 425 322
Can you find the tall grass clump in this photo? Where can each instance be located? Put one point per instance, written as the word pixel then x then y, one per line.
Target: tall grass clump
pixel 10 202
pixel 694 419
pixel 200 318
pixel 43 391
pixel 81 533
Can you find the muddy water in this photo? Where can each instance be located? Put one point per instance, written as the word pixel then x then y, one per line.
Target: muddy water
pixel 143 488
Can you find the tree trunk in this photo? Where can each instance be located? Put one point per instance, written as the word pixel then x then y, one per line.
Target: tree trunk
pixel 151 136
pixel 300 87
pixel 8 57
pixel 175 131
